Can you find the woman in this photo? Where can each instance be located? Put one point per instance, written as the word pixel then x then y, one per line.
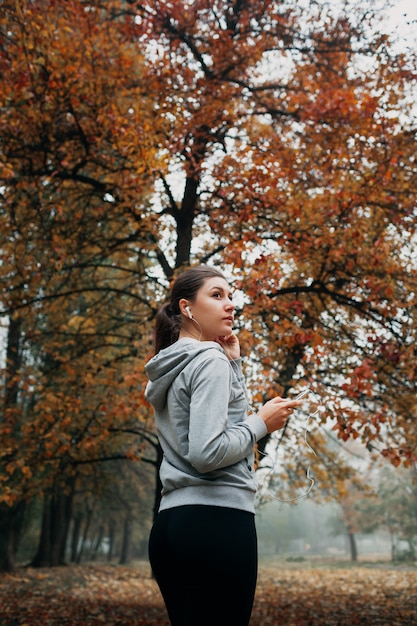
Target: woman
pixel 203 546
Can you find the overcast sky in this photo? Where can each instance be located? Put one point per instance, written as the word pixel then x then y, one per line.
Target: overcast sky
pixel 402 19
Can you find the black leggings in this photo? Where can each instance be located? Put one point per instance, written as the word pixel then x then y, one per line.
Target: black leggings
pixel 204 559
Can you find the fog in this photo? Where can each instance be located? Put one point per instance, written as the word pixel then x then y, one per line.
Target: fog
pixel 307 530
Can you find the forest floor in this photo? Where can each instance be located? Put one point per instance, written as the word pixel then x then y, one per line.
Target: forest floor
pixel 288 594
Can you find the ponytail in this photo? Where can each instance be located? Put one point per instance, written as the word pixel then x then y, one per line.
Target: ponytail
pixel 167 327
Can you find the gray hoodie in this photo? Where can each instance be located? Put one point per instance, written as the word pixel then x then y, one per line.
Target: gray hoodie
pixel 206 435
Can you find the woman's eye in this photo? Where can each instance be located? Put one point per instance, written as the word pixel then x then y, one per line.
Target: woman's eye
pixel 219 295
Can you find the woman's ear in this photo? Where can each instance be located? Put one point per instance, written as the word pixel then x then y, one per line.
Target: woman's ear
pixel 185 308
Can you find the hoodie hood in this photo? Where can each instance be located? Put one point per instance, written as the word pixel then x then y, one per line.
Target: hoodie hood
pixel 165 366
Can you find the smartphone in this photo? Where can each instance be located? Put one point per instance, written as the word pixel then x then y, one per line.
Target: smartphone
pixel 302 394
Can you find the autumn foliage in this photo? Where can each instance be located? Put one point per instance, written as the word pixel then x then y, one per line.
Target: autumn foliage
pixel 97 595
pixel 275 139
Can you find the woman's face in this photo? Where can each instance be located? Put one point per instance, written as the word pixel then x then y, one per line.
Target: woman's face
pixel 213 309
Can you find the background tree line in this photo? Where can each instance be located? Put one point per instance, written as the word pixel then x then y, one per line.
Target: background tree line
pixel 274 139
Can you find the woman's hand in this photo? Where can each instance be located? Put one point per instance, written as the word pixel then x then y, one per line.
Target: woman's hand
pixel 230 344
pixel 276 412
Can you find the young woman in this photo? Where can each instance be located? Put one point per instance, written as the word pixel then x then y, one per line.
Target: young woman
pixel 203 546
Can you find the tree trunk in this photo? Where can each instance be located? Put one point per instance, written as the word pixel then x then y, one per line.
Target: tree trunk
pixel 393 550
pixel 411 548
pixel 111 542
pixel 11 521
pixel 75 538
pixel 11 516
pixel 284 380
pixel 96 547
pixel 56 516
pixel 353 548
pixel 85 535
pixel 125 555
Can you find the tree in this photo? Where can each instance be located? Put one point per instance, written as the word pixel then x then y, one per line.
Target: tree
pixel 75 161
pixel 397 509
pixel 357 514
pixel 297 173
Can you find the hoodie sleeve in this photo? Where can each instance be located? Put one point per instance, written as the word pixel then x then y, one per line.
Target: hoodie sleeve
pixel 215 441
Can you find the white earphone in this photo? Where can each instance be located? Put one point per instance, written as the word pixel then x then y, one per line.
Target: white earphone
pixel 190 315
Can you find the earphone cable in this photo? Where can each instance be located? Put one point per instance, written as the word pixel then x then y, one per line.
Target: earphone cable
pixel 308 471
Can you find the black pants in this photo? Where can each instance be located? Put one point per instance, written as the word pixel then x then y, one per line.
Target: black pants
pixel 204 559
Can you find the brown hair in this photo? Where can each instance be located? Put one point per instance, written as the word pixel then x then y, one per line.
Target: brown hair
pixel 168 320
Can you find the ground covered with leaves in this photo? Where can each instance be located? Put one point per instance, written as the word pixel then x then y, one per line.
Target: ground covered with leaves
pixel 94 595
